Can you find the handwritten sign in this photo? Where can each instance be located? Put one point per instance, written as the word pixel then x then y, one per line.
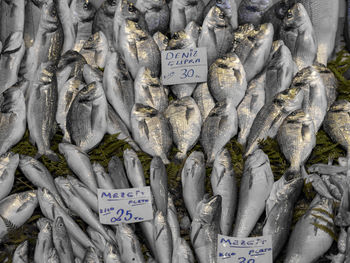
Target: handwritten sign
pixel 184 66
pixel 125 205
pixel 244 250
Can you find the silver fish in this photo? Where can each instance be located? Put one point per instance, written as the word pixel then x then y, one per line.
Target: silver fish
pixel 104 181
pixel 87 117
pixel 253 46
pixel 128 243
pixel 38 175
pixel 270 117
pixel 253 101
pixel 16 209
pixel 218 129
pixel 227 79
pixel 193 181
pixel 161 40
pixel 111 254
pixel 324 18
pixel 10 59
pixel 117 173
pixel 256 185
pixel 149 90
pixel 119 86
pixel 159 184
pixel 151 131
pixel 173 223
pixel 184 11
pixel 61 240
pixel 298 34
pixel 185 120
pixel 44 241
pixel 11 18
pixel 250 11
pixel 157 14
pixel 162 238
pixel 133 168
pixel 12 118
pixel 95 50
pixel 79 162
pixel 182 252
pixel 223 183
pixel 138 48
pixel 53 256
pixel 204 99
pixel 91 256
pixel 42 108
pixel 229 7
pixel 205 229
pixel 279 217
pixel 308 243
pixel 21 253
pixel 216 34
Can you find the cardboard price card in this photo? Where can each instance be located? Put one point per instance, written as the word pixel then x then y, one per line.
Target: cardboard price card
pixel 184 66
pixel 244 250
pixel 130 205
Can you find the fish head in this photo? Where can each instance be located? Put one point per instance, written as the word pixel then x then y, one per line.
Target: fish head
pixel 135 32
pixel 257 159
pixel 29 197
pixel 97 167
pixel 193 30
pixel 161 38
pixel 181 40
pixel 216 18
pixel 96 41
pixel 49 17
pixel 209 209
pixel 60 227
pixel 45 195
pixel 84 10
pixel 128 11
pixel 223 162
pixel 295 17
pixel 90 92
pixel 109 7
pixel 42 222
pixel 26 160
pixel 157 163
pixel 22 249
pixel 264 35
pixel 290 99
pixel 194 164
pixel 45 226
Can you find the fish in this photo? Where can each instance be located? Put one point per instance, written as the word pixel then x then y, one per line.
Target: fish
pixel 91 256
pixel 51 209
pixel 119 86
pixel 116 126
pixel 256 185
pixel 111 254
pixel 159 184
pixel 173 223
pixel 315 100
pixel 252 46
pixel 280 71
pixel 227 79
pixel 218 128
pixel 95 50
pixel 83 13
pixel 251 12
pixel 117 172
pixel 128 244
pixel 21 253
pixel 270 117
pixel 216 34
pixel 16 209
pixel 223 183
pixel 182 252
pixel 149 90
pixel 324 19
pixel 97 239
pixel 308 242
pixel 185 120
pixel 299 36
pixel 104 181
pixel 79 162
pixel 133 168
pixel 229 7
pixel 10 59
pixel 66 19
pixel 279 215
pixel 183 12
pixel 161 40
pixel 44 242
pixel 61 240
pixel 41 110
pixel 11 18
pixel 205 229
pixel 203 99
pixel 151 131
pixel 248 108
pixel 87 117
pixel 162 238
pixel 194 30
pixel 12 118
pixel 138 48
pixel 193 181
pixel 38 175
pixel 336 122
pixel 156 13
pixel 31 21
pixel 53 256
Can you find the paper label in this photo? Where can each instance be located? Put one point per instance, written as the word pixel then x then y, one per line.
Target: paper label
pixel 184 66
pixel 130 205
pixel 244 250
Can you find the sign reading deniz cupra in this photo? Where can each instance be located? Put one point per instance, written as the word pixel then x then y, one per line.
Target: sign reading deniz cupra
pixel 184 66
pixel 244 250
pixel 130 205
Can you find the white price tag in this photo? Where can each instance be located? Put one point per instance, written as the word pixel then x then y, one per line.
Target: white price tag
pixel 244 250
pixel 130 205
pixel 184 66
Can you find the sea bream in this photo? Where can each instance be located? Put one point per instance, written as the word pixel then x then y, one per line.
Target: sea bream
pixel 8 166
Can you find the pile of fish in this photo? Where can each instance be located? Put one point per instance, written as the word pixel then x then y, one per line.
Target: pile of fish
pixel 86 68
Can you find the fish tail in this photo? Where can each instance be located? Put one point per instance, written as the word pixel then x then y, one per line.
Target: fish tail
pixel 180 156
pixel 164 158
pixel 52 156
pixel 292 173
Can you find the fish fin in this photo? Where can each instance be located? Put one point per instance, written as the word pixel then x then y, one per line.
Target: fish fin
pixel 52 156
pixel 23 207
pixel 189 113
pixel 8 223
pixel 143 127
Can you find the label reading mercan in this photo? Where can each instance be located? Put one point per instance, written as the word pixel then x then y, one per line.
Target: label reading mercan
pixel 184 66
pixel 130 205
pixel 244 250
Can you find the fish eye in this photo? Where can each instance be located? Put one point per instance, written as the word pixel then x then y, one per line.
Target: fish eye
pixel 221 15
pixel 289 14
pixel 165 41
pixel 53 12
pixel 176 36
pixel 219 2
pixel 137 26
pixel 131 8
pixel 250 38
pixel 60 225
pixel 86 5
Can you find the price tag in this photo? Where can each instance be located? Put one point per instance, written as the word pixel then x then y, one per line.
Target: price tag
pixel 184 66
pixel 130 205
pixel 244 250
